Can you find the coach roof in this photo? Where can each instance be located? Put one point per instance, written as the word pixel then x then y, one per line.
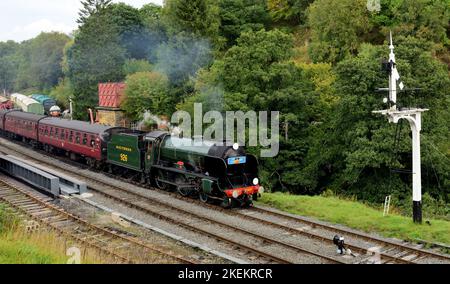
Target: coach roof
pixel 25 115
pixel 76 125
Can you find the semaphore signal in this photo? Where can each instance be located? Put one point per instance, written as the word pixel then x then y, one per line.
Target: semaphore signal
pixel 414 117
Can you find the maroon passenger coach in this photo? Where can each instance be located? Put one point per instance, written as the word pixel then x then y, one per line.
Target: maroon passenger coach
pixel 3 113
pixel 78 138
pixel 18 124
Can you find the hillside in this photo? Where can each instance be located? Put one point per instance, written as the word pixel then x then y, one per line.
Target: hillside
pixel 319 69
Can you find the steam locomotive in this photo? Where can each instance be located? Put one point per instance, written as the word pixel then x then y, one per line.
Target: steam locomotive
pixel 211 171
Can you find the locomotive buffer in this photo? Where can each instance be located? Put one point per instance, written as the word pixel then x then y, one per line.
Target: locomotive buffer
pixel 414 117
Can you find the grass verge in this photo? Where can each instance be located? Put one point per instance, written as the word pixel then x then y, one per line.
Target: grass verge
pixel 359 216
pixel 29 250
pixel 20 245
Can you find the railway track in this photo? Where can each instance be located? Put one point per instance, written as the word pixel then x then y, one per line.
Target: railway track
pixel 110 243
pixel 386 251
pixel 377 250
pixel 203 224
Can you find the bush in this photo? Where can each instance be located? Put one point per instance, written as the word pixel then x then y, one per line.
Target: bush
pixel 431 207
pixel 62 93
pixel 147 91
pixel 133 66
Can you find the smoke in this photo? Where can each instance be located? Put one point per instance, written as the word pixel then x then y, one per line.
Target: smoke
pixel 212 97
pixel 150 118
pixel 181 56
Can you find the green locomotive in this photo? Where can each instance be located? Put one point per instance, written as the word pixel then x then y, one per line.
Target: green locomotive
pixel 209 170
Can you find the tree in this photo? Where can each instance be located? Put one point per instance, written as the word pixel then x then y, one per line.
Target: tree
pixel 198 17
pixel 255 66
pixel 90 8
pixel 132 66
pixel 150 13
pixel 292 11
pixel 8 65
pixel 151 16
pixel 8 73
pixel 95 56
pixel 40 61
pixel 427 19
pixel 147 91
pixel 238 16
pixel 353 150
pixel 62 93
pixel 131 29
pixel 8 48
pixel 256 75
pixel 338 34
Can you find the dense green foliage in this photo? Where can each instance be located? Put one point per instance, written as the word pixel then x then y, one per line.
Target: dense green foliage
pixel 147 91
pixel 315 61
pixel 35 63
pixel 367 140
pixel 292 11
pixel 197 17
pixel 96 56
pixel 237 16
pixel 338 34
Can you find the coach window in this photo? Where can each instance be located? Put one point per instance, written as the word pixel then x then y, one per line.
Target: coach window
pixel 85 140
pixel 78 139
pixel 46 131
pixel 62 134
pixel 71 137
pixel 56 133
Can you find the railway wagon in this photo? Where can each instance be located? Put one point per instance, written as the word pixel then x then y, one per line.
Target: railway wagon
pixel 46 101
pixel 27 104
pixel 78 138
pixel 5 103
pixel 22 126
